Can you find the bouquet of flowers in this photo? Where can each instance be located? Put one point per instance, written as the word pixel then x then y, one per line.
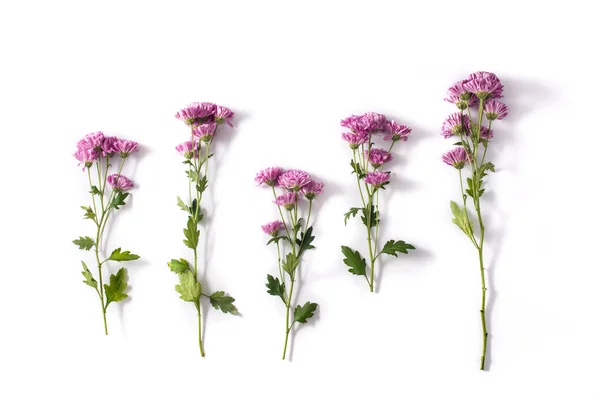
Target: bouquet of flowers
pixel 108 192
pixel 367 165
pixel 479 91
pixel 292 236
pixel 203 120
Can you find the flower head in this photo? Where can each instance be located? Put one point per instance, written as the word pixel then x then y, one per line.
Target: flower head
pixel 205 132
pixel 268 176
pixel 196 113
pixel 119 183
pixel 366 123
pixel 456 124
pixel 293 179
pixel 377 178
pixel 355 139
pixel 460 96
pixel 378 157
pixel 312 189
pixel 223 114
pixel 484 85
pixel 395 131
pixel 92 141
pixel 287 200
pixel 86 157
pixel 108 145
pixel 187 149
pixel 495 109
pixel 456 157
pixel 273 228
pixel 125 147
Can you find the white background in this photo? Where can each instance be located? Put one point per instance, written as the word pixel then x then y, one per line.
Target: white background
pixel 291 71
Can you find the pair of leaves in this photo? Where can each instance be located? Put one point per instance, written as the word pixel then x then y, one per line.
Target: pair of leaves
pixel 225 303
pixel 373 217
pixel 84 242
pixel 202 184
pixel 392 247
pixel 356 262
pixel 119 256
pixel 461 219
pixel 304 243
pixel 357 169
pixel 89 278
pixel 189 288
pixel 275 287
pixel 191 210
pixel 276 239
pixel 115 291
pixel 192 234
pixel 290 264
pixel 302 314
pixel 119 200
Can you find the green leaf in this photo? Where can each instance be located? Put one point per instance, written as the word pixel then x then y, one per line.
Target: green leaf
pixel 89 213
pixel 182 205
pixel 202 184
pixel 461 219
pixel 304 243
pixel 374 217
pixel 89 278
pixel 193 175
pixel 392 247
pixel 95 191
pixel 118 255
pixel 276 239
pixel 302 314
pixel 189 288
pixel 84 242
pixel 357 169
pixel 119 200
pixel 225 303
pixel 192 234
pixel 290 264
pixel 356 262
pixel 178 266
pixel 275 288
pixel 116 290
pixel 352 213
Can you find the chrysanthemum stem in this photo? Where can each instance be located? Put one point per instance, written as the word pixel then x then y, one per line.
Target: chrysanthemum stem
pixel 362 197
pixel 200 330
pixel 281 214
pixel 371 255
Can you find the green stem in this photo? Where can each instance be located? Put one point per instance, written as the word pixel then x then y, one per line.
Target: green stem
pixel 308 217
pixel 93 197
pixel 279 261
pixel 482 310
pixel 362 197
pixel 281 214
pixel 96 250
pixel 200 330
pixel 371 257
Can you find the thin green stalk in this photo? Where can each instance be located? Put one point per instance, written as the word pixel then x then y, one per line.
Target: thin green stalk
pixel 200 330
pixel 281 214
pixel 100 279
pixel 288 304
pixel 308 217
pixel 372 263
pixel 377 225
pixel 93 197
pixel 362 197
pixel 279 261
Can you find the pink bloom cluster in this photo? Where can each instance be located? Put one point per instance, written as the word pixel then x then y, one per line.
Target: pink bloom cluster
pixel 363 126
pixel 273 228
pixel 96 145
pixel 478 86
pixel 378 157
pixel 119 183
pixel 197 114
pixel 377 179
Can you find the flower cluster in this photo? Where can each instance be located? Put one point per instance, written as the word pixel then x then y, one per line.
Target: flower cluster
pixel 291 234
pixel 203 120
pixel 367 164
pixel 96 150
pixel 476 98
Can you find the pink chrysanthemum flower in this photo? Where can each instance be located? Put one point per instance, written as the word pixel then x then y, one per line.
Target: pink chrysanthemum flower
pixel 378 157
pixel 395 131
pixel 205 132
pixel 287 200
pixel 293 179
pixel 355 139
pixel 92 141
pixel 377 178
pixel 312 189
pixel 455 124
pixel 108 146
pixel 119 183
pixel 196 113
pixel 484 85
pixel 368 123
pixel 495 109
pixel 223 114
pixel 456 157
pixel 268 176
pixel 86 157
pixel 273 228
pixel 460 96
pixel 125 147
pixel 187 149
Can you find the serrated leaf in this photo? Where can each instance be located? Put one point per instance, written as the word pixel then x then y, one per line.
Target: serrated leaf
pixel 275 288
pixel 95 191
pixel 189 288
pixel 356 262
pixel 225 303
pixel 352 213
pixel 84 242
pixel 192 175
pixel 119 256
pixel 392 247
pixel 202 184
pixel 182 205
pixel 357 169
pixel 179 266
pixel 304 243
pixel 374 217
pixel 302 314
pixel 89 213
pixel 290 264
pixel 461 219
pixel 488 166
pixel 115 292
pixel 119 200
pixel 276 239
pixel 89 278
pixel 191 233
